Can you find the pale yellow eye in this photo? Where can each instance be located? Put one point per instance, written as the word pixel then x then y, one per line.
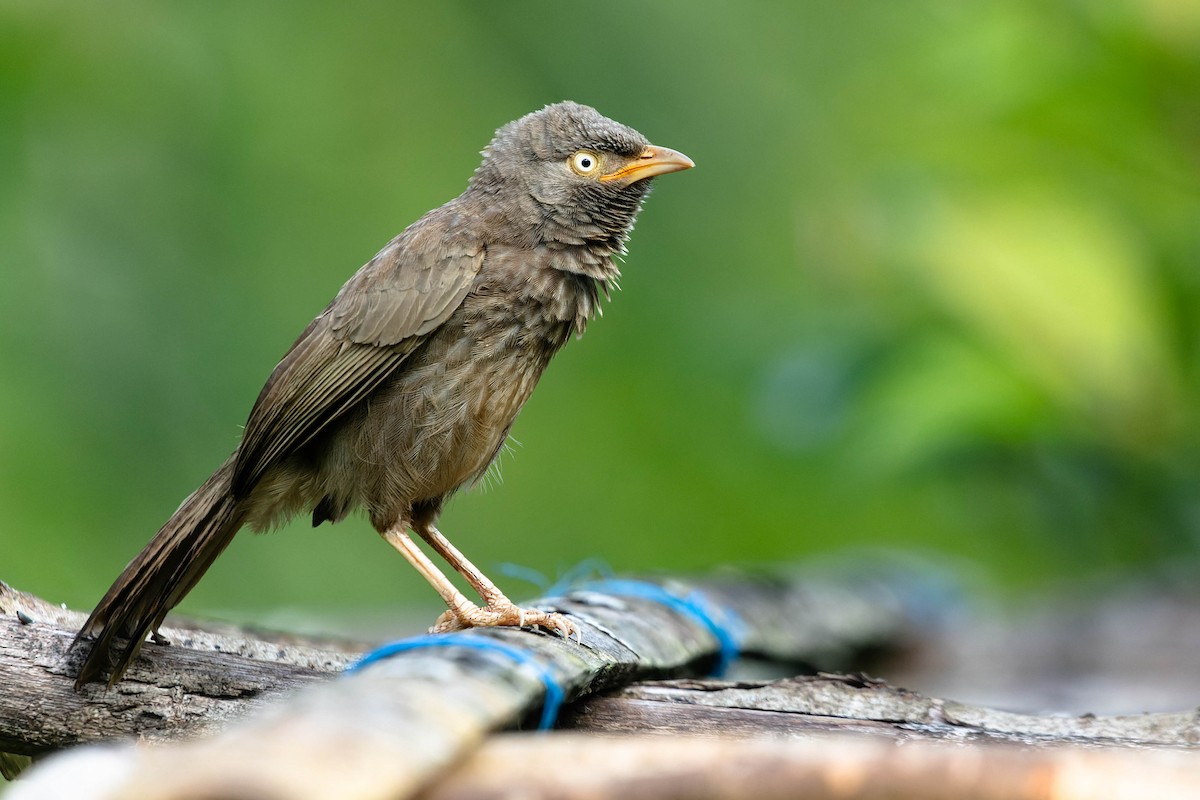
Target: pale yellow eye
pixel 585 162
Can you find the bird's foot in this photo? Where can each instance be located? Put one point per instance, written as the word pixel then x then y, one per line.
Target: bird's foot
pixel 504 614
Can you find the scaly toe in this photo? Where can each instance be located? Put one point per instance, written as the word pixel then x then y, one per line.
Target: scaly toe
pixel 448 622
pixel 504 615
pixel 557 623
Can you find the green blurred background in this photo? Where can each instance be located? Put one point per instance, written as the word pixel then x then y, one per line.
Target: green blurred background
pixel 933 285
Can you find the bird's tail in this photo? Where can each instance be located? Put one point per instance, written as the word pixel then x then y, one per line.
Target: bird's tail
pixel 158 578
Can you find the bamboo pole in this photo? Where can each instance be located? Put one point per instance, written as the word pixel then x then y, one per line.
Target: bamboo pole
pixel 833 767
pixel 393 729
pixel 403 720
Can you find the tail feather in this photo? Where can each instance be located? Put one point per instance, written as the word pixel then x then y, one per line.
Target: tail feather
pixel 158 578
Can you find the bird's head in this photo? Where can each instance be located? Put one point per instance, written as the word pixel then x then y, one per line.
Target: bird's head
pixel 582 175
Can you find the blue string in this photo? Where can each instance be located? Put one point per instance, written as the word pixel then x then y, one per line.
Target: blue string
pixel 568 580
pixel 520 572
pixel 721 622
pixel 554 691
pixel 576 574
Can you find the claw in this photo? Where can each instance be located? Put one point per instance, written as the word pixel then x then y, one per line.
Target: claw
pixel 504 615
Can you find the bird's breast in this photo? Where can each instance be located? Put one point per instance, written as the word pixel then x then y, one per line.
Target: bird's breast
pixel 445 416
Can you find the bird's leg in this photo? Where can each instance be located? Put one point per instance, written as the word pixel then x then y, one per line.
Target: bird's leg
pixel 498 609
pixel 398 538
pixel 490 593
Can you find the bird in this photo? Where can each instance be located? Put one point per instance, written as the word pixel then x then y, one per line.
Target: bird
pixel 403 389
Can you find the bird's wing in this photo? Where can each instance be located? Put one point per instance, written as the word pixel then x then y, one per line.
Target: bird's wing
pixel 376 321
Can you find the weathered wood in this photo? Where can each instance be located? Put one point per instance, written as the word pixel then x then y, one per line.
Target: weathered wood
pixel 405 719
pixel 395 726
pixel 832 767
pixel 827 616
pixel 807 705
pixel 199 685
pixel 392 728
pixel 213 675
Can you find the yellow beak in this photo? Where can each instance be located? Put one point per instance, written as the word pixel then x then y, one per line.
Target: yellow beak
pixel 652 161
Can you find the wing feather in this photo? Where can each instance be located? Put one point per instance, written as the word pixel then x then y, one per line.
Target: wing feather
pixel 383 313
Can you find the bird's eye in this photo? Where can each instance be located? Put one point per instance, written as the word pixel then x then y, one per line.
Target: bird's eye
pixel 585 162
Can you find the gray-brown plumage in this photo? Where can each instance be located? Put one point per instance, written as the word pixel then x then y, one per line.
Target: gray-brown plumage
pixel 404 388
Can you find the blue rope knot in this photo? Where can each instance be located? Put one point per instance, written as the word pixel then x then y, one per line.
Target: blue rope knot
pixel 555 695
pixel 725 626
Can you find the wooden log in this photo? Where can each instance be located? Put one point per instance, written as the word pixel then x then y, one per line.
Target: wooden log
pixel 394 727
pixel 461 696
pixel 807 705
pixel 214 674
pixel 403 720
pixel 205 680
pixel 831 767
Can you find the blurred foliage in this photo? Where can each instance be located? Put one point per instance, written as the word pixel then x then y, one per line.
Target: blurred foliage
pixel 932 286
